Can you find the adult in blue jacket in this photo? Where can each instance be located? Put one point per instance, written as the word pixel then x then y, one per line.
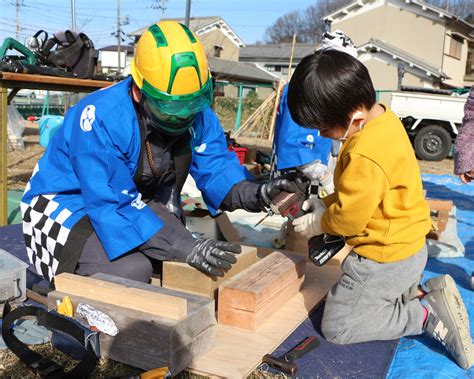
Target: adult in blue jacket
pixel 105 197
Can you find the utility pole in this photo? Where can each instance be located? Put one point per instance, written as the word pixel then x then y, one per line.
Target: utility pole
pixel 17 20
pixel 119 35
pixel 73 14
pixel 188 12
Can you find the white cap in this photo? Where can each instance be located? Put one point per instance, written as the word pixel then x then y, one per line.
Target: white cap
pixel 337 40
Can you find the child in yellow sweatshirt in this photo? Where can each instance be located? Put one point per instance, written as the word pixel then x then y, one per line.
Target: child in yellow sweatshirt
pixel 378 206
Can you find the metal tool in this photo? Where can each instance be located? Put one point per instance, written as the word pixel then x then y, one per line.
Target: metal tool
pixel 285 362
pixel 286 204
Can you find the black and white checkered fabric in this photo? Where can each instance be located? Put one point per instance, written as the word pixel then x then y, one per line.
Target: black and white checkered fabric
pixel 44 237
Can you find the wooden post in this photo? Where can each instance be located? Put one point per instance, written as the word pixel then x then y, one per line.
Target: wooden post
pixel 275 108
pixel 291 57
pixel 3 155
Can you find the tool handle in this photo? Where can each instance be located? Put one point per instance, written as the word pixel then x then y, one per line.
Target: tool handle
pixel 279 364
pixel 308 344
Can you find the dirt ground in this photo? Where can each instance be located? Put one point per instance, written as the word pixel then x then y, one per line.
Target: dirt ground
pixel 22 162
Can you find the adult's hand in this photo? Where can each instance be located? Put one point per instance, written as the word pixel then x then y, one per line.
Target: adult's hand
pixel 213 257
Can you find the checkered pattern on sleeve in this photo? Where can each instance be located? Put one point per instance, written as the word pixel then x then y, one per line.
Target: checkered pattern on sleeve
pixel 44 236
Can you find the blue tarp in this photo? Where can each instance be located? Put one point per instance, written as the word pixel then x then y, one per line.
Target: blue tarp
pixel 420 357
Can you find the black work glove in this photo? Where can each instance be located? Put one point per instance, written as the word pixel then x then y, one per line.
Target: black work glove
pixel 271 189
pixel 213 257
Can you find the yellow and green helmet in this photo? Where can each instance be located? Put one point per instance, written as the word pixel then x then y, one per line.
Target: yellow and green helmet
pixel 171 70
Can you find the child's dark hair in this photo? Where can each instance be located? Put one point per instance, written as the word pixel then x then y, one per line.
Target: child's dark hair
pixel 327 87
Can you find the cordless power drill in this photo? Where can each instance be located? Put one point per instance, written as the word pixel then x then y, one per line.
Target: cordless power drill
pixel 320 248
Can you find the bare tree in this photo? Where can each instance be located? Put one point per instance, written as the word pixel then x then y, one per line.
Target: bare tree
pixel 306 24
pixel 461 8
pixel 284 27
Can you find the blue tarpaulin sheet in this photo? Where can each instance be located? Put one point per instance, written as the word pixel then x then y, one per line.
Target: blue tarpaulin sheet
pixel 422 357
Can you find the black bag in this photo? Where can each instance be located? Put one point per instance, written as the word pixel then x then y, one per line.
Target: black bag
pixel 73 52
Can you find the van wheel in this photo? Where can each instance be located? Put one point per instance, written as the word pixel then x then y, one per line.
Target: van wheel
pixel 432 143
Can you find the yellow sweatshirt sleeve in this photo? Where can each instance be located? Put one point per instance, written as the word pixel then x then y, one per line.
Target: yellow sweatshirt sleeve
pixel 359 190
pixel 329 199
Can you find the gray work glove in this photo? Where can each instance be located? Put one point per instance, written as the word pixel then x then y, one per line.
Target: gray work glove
pixel 213 257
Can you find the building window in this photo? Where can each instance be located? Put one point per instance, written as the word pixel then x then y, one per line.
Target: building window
pixel 217 51
pixel 470 62
pixel 277 68
pixel 284 70
pixel 455 47
pixel 270 68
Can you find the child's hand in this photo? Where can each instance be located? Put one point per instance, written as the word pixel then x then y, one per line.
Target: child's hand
pixel 310 224
pixel 467 177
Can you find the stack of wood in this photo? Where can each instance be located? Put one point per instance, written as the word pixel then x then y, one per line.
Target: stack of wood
pixel 157 327
pixel 258 129
pixel 440 210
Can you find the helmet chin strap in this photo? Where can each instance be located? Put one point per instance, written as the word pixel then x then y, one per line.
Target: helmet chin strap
pixel 165 127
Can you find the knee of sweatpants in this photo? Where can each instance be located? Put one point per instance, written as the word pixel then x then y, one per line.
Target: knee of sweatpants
pixel 333 332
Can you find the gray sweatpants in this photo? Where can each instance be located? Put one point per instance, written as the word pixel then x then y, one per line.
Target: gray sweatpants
pixel 375 301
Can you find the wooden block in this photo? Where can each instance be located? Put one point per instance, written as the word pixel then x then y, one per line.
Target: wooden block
pixel 434 235
pixel 440 205
pixel 237 352
pixel 249 298
pixel 227 229
pixel 183 277
pixel 148 341
pixel 156 303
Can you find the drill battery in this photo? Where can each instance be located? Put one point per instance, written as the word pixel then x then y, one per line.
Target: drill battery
pixel 323 247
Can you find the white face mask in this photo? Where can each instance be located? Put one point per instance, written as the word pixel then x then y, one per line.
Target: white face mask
pixel 344 137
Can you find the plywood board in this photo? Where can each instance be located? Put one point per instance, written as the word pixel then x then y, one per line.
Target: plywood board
pixel 440 205
pixel 238 352
pixel 157 303
pixel 183 277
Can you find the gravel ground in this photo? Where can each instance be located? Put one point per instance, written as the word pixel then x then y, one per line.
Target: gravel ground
pixel 22 162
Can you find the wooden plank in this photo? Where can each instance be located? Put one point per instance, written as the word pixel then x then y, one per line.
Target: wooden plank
pixel 183 277
pixel 3 155
pixel 156 303
pixel 31 78
pixel 281 85
pixel 440 205
pixel 148 341
pixel 226 228
pixel 259 142
pixel 238 352
pixel 257 292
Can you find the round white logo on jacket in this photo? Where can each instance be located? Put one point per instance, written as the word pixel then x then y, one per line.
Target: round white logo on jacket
pixel 310 138
pixel 87 118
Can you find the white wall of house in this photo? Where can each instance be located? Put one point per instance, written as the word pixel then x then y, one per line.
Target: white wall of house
pixel 384 75
pixel 109 60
